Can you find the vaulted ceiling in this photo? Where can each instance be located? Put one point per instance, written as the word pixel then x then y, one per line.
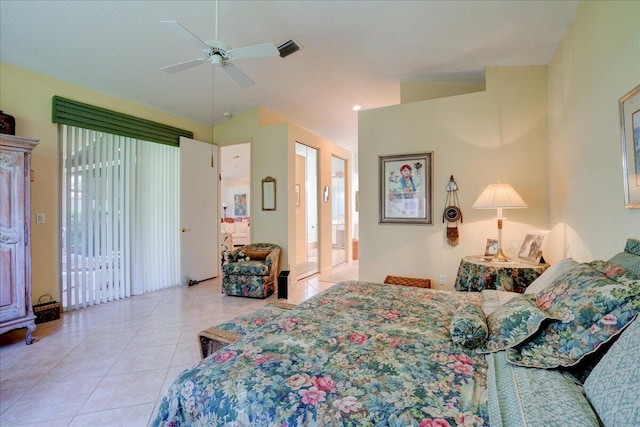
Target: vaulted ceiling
pixel 353 52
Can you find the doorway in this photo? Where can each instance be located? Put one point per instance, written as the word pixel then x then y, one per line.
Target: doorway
pixel 306 211
pixel 338 211
pixel 235 194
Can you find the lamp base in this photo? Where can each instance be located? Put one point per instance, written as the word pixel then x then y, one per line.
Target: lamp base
pixel 500 257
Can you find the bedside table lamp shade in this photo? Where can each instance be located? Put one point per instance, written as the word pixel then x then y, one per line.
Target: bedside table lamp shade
pixel 499 196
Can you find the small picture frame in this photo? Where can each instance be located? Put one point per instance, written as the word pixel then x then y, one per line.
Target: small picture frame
pixel 531 249
pixel 491 249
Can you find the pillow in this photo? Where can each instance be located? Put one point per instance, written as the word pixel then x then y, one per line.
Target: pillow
pixel 593 307
pixel 513 323
pixel 468 326
pixel 614 271
pixel 534 397
pixel 632 246
pixel 613 385
pixel 628 261
pixel 550 275
pixel 257 254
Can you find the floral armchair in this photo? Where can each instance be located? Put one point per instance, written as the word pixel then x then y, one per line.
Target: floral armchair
pixel 251 271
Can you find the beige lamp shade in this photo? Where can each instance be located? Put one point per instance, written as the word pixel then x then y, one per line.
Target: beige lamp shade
pixel 500 195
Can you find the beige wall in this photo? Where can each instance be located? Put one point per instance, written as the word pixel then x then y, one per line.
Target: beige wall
pixel 596 64
pixel 496 135
pixel 268 140
pixel 273 140
pixel 421 91
pixel 27 96
pixel 563 157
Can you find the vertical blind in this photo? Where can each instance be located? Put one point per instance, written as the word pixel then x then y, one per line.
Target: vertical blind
pixel 119 216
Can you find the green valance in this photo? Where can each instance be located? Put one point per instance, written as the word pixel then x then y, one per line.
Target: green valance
pixel 74 113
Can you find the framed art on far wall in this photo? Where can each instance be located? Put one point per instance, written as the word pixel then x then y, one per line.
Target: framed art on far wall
pixel 240 205
pixel 405 188
pixel 629 106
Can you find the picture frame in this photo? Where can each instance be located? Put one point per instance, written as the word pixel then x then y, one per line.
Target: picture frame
pixel 629 106
pixel 491 249
pixel 531 248
pixel 405 188
pixel 297 195
pixel 240 204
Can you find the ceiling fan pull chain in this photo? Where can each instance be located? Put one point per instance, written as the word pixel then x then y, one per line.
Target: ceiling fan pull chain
pixel 217 22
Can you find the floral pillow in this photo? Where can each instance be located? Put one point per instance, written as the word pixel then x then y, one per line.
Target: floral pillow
pixel 468 326
pixel 594 306
pixel 551 274
pixel 514 322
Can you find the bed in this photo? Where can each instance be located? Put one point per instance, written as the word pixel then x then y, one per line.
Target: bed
pixel 369 354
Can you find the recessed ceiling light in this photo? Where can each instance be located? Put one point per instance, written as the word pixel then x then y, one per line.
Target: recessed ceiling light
pixel 356 107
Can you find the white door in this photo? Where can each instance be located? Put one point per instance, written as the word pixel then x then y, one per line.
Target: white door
pixel 199 251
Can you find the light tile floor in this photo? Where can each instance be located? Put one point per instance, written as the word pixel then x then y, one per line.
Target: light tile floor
pixel 109 365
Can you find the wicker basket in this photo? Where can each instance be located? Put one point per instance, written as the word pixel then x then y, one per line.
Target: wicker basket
pixel 213 339
pixel 407 281
pixel 46 309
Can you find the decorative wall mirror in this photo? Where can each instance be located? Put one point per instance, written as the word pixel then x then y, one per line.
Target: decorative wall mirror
pixel 269 194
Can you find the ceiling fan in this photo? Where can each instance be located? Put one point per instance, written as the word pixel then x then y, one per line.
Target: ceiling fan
pixel 219 53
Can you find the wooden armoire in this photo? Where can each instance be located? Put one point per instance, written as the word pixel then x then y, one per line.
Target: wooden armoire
pixel 16 310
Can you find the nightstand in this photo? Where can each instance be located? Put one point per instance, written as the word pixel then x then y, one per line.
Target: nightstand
pixel 477 273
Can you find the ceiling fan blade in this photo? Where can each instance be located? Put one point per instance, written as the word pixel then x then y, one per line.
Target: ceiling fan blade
pixel 183 65
pixel 186 34
pixel 236 74
pixel 255 51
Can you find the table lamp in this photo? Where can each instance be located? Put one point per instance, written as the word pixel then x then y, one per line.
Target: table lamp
pixel 499 196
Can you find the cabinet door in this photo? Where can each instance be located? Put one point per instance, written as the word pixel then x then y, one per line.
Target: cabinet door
pixel 12 234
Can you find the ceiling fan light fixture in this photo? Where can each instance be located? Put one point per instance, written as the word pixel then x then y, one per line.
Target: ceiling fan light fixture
pixel 288 47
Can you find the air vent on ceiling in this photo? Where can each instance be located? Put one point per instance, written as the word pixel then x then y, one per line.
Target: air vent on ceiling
pixel 288 47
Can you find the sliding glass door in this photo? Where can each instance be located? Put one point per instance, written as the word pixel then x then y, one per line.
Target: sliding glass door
pixel 119 216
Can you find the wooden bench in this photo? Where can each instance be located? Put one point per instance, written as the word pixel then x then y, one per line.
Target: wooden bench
pixel 216 337
pixel 408 281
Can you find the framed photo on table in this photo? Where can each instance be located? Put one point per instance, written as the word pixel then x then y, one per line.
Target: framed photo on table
pixel 531 249
pixel 629 106
pixel 405 188
pixel 492 248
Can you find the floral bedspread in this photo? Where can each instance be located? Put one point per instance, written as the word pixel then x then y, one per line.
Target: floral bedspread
pixel 358 354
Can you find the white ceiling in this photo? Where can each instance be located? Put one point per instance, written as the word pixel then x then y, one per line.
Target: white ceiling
pixel 354 52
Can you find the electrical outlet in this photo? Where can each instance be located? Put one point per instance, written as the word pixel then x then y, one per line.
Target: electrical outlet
pixel 442 281
pixel 263 215
pixel 39 218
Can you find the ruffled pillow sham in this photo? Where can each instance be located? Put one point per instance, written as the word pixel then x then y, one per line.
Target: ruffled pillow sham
pixel 513 323
pixel 550 275
pixel 594 302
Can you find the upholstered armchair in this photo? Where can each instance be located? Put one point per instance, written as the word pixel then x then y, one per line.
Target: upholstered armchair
pixel 251 271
